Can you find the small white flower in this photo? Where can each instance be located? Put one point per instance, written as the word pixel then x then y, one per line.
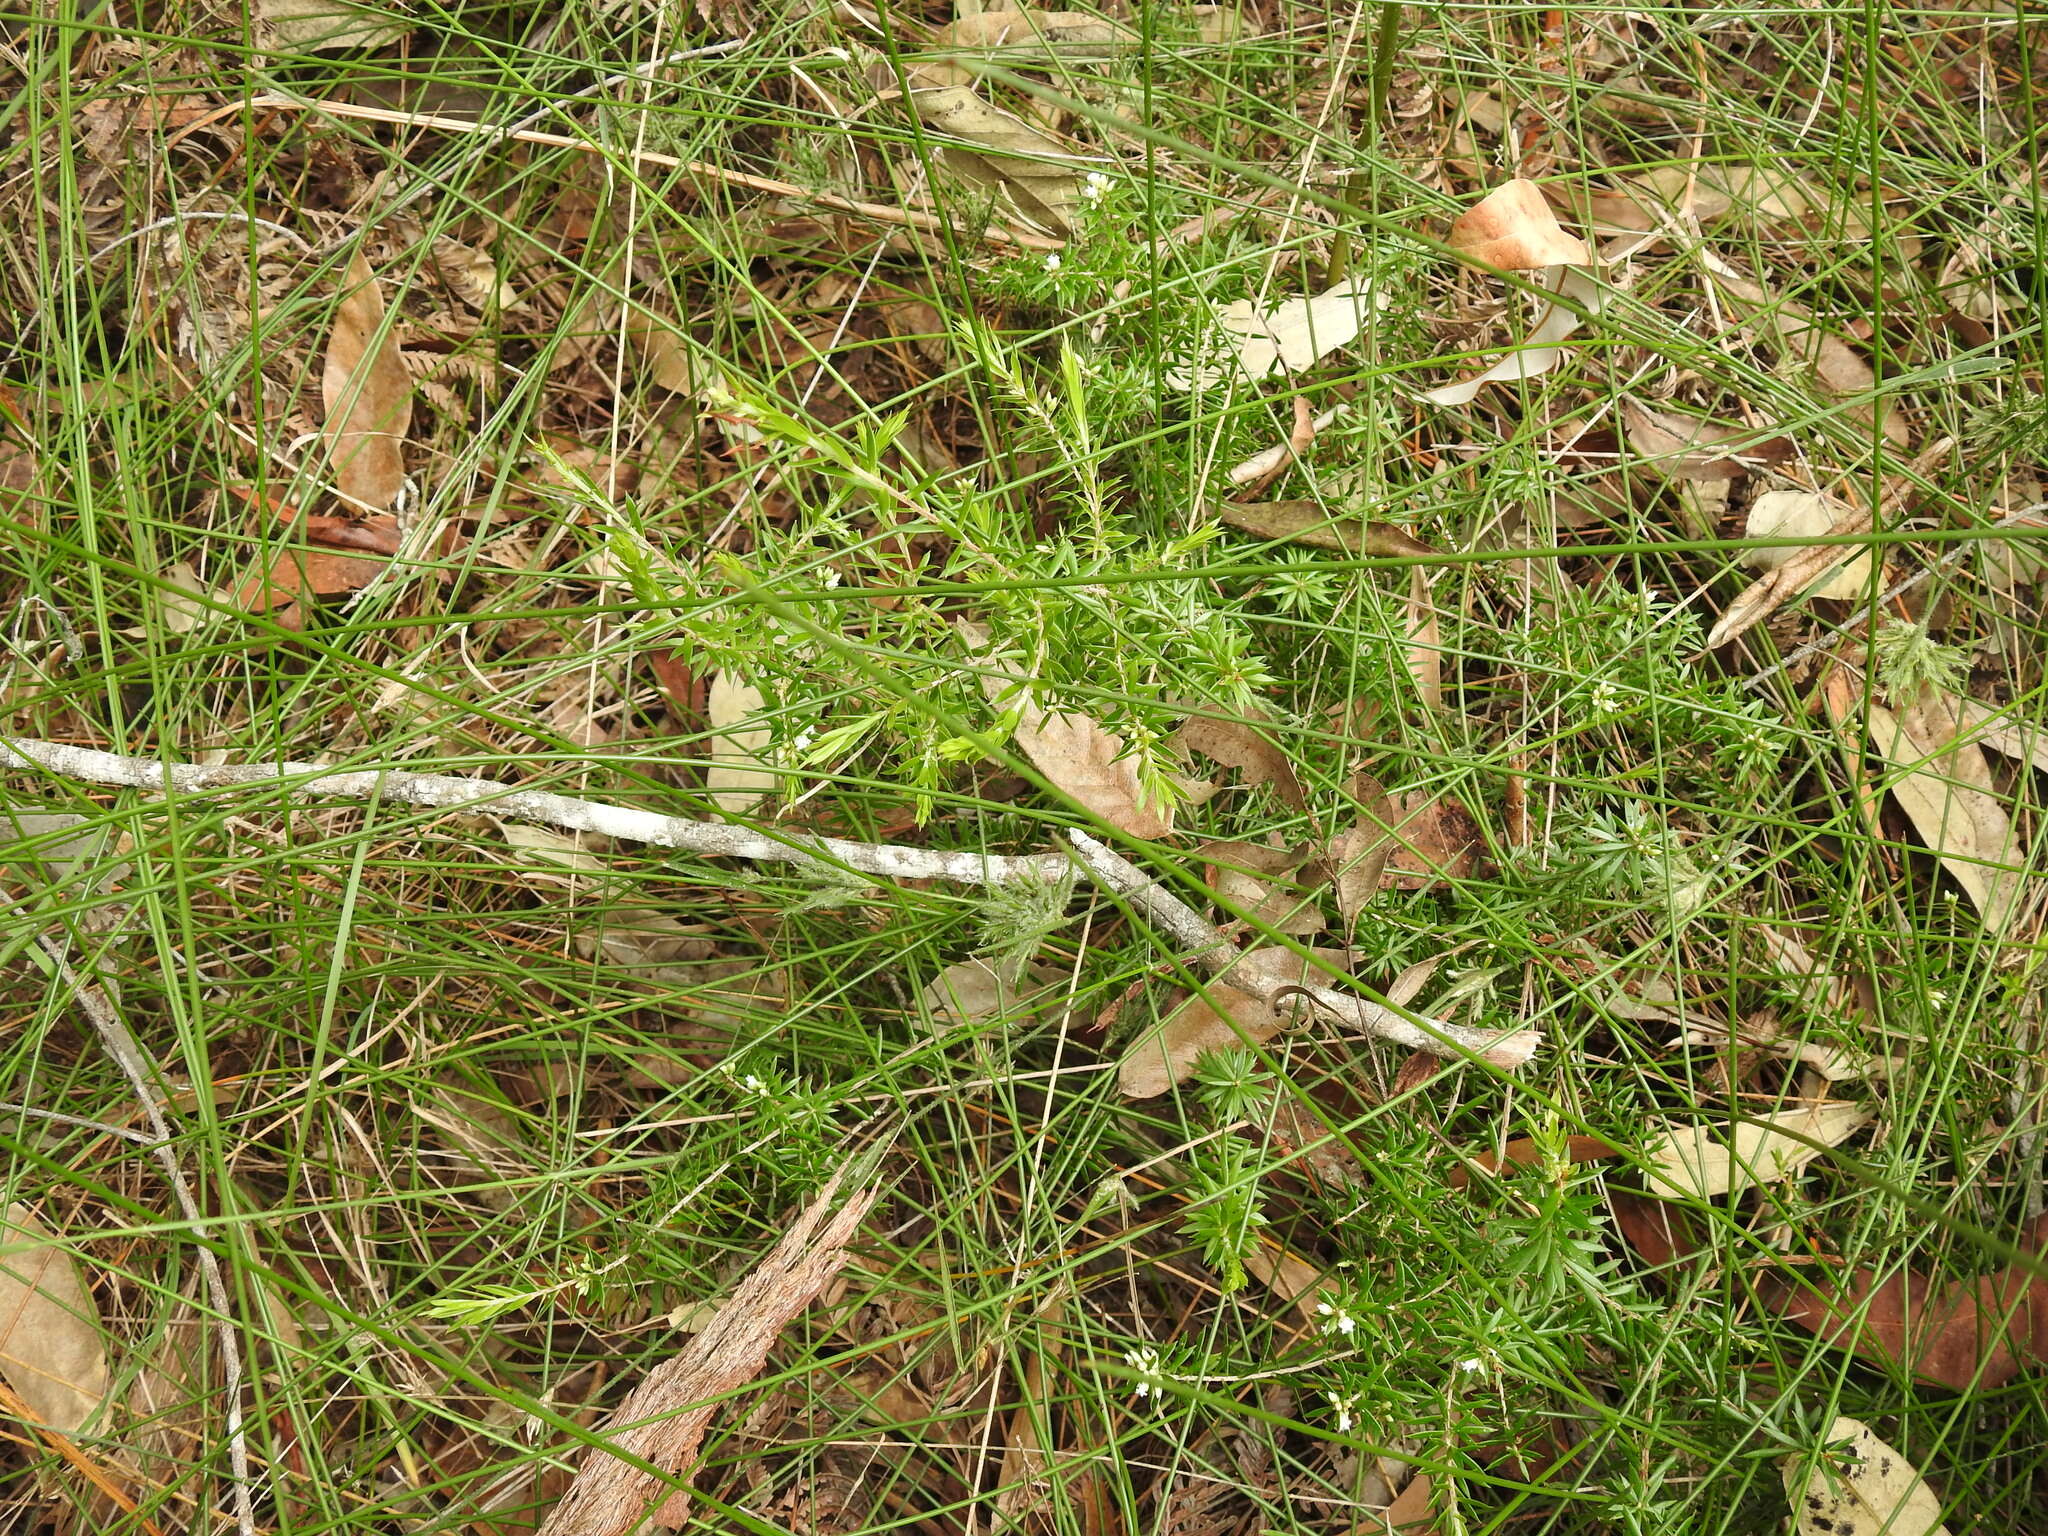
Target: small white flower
pixel 1938 996
pixel 1052 261
pixel 1473 1366
pixel 1095 186
pixel 1337 1319
pixel 1346 1406
pixel 1145 1361
pixel 831 580
pixel 753 1084
pixel 1606 698
pixel 804 738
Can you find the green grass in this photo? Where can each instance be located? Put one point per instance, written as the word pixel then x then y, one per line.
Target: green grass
pixel 479 1117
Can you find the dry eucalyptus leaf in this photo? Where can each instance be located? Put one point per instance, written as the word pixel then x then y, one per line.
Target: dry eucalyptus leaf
pixel 52 1341
pixel 1257 880
pixel 322 26
pixel 1864 1488
pixel 1014 39
pixel 737 779
pixel 1000 150
pixel 1541 353
pixel 1689 448
pixel 1944 786
pixel 367 393
pixel 1708 1160
pixel 1307 522
pixel 1425 640
pixel 2009 735
pixel 1221 1020
pixel 1288 338
pixel 1238 744
pixel 973 991
pixel 1797 570
pixel 1512 229
pixel 1076 754
pixel 1805 515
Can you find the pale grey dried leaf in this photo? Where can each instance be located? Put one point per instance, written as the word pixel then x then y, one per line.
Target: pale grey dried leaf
pixel 1704 1161
pixel 1863 1488
pixel 737 779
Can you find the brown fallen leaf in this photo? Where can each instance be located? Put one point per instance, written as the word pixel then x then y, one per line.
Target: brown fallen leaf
pixel 52 1340
pixel 1425 641
pixel 1966 1335
pixel 1357 857
pixel 1219 1018
pixel 664 1418
pixel 368 396
pixel 1690 448
pixel 1005 154
pixel 1943 784
pixel 737 779
pixel 1704 1161
pixel 1304 522
pixel 1436 840
pixel 1259 879
pixel 1512 229
pixel 1837 369
pixel 1237 743
pixel 1079 756
pixel 1525 1152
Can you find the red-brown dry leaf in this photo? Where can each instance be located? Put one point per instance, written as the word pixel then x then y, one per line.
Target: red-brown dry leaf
pixel 1306 522
pixel 1436 841
pixel 1656 1229
pixel 1167 1054
pixel 1238 744
pixel 1410 1513
pixel 368 395
pixel 1959 1334
pixel 1513 228
pixel 664 1419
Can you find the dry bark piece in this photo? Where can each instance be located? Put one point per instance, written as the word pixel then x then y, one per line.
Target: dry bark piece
pixel 367 393
pixel 1864 1488
pixel 664 1419
pixel 1513 230
pixel 52 1339
pixel 1305 522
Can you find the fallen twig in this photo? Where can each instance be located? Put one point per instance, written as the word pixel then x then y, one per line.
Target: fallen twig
pixel 1195 934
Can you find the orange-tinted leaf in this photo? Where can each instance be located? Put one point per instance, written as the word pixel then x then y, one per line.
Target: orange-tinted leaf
pixel 368 395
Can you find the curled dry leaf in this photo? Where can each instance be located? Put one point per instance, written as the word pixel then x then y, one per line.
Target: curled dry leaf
pixel 52 1341
pixel 1541 352
pixel 1807 515
pixel 1860 1488
pixel 1708 1160
pixel 663 1420
pixel 737 779
pixel 1076 754
pixel 368 396
pixel 1304 522
pixel 1000 151
pixel 1288 338
pixel 1799 569
pixel 1512 229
